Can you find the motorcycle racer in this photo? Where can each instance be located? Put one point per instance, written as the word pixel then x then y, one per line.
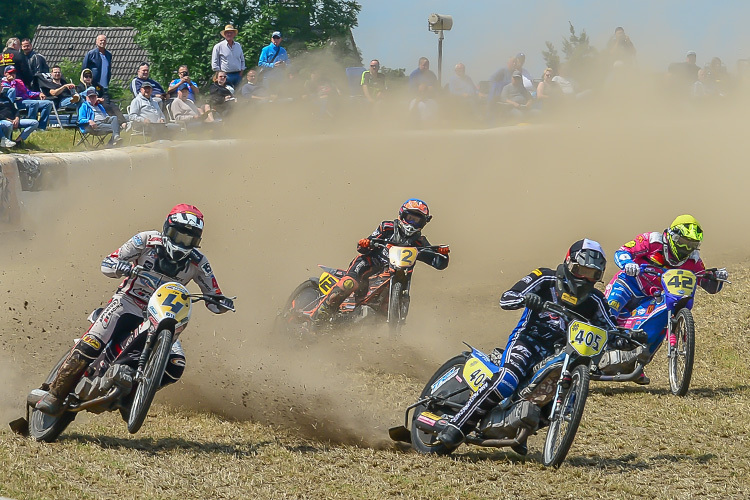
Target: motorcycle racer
pixel 677 247
pixel 172 253
pixel 406 230
pixel 536 333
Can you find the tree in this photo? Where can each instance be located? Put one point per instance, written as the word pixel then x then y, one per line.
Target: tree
pixel 20 18
pixel 551 57
pixel 186 34
pixel 581 59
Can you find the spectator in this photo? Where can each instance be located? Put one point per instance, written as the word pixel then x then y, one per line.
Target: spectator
pixel 109 106
pixel 685 73
pixel 461 84
pixel 373 82
pixel 32 102
pixel 273 60
pixel 516 96
pixel 620 47
pixel 185 111
pixel 36 61
pixel 422 82
pixel 142 76
pixel 184 77
pixel 9 120
pixel 99 61
pixel 220 95
pixel 324 93
pixel 717 79
pixel 61 92
pixel 548 89
pixel 501 78
pixel 227 56
pixel 12 56
pixel 699 89
pixel 147 113
pixel 528 83
pixel 93 118
pixel 252 90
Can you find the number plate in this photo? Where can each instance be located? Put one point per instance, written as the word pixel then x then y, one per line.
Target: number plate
pixel 475 373
pixel 587 339
pixel 402 256
pixel 679 282
pixel 326 282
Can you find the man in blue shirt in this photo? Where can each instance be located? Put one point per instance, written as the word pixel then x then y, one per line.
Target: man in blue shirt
pixel 273 59
pixel 99 61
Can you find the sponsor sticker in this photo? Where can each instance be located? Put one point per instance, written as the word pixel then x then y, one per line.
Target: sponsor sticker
pixel 447 376
pixel 207 269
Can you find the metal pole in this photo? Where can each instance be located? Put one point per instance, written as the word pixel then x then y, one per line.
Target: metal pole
pixel 440 59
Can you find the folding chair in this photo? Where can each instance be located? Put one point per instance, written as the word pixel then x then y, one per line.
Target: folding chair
pixel 136 128
pixel 182 124
pixel 89 140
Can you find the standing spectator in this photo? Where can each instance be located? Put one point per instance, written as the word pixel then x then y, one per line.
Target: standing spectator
pixel 185 111
pixel 12 56
pixel 142 76
pixel 373 82
pixel 220 95
pixel 273 59
pixel 252 90
pixel 109 106
pixel 99 61
pixel 9 120
pixel 145 111
pixel 227 56
pixel 32 102
pixel 620 47
pixel 184 77
pixel 422 82
pixel 93 118
pixel 61 92
pixel 685 72
pixel 37 62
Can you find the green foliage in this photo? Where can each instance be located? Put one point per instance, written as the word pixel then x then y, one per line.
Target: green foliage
pixel 20 18
pixel 71 70
pixel 551 57
pixel 577 46
pixel 186 34
pixel 581 59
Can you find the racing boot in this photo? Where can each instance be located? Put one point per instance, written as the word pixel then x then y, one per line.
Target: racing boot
pixel 66 379
pixel 328 307
pixel 451 436
pixel 642 380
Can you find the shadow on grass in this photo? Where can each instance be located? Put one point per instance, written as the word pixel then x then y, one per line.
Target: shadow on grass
pixel 633 462
pixel 698 392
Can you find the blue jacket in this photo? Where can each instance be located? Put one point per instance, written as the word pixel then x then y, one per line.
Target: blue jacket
pixel 86 113
pixel 93 61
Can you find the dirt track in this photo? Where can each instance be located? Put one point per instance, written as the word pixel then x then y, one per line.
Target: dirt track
pixel 505 200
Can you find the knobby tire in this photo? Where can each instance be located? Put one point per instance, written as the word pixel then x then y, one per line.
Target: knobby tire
pixel 153 373
pixel 43 427
pixel 683 356
pixel 563 428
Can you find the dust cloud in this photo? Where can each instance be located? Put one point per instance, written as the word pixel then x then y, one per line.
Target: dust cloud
pixel 278 201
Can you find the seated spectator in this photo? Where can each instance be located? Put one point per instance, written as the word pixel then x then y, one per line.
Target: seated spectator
pixel 33 102
pixel 528 83
pixel 717 79
pixel 686 72
pixel 93 118
pixel 252 90
pixel 548 89
pixel 36 61
pixel 185 111
pixel 422 82
pixel 501 78
pixel 220 95
pixel 324 93
pixel 516 96
pixel 109 106
pixel 373 82
pixel 146 112
pixel 461 84
pixel 9 120
pixel 62 93
pixel 184 77
pixel 12 56
pixel 142 77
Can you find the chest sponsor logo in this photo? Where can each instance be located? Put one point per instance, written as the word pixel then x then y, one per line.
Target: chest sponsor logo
pixel 137 240
pixel 207 269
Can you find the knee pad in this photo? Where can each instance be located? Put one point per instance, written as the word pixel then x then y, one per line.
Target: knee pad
pixel 345 287
pixel 89 347
pixel 174 370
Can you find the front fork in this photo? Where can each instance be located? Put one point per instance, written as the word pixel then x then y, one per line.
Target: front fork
pixel 145 354
pixel 562 384
pixel 671 337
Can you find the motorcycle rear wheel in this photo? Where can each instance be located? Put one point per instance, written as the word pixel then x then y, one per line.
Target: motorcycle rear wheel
pixel 46 428
pixel 153 373
pixel 683 355
pixel 292 318
pixel 425 442
pixel 563 427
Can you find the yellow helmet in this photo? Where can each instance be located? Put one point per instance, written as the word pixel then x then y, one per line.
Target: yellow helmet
pixel 683 237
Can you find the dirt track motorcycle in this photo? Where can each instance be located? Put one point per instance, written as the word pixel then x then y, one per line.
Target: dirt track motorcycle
pixel 386 296
pixel 554 395
pixel 165 318
pixel 666 315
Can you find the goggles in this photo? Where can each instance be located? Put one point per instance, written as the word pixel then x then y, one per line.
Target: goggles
pixel 587 265
pixel 414 219
pixel 585 272
pixel 684 241
pixel 182 238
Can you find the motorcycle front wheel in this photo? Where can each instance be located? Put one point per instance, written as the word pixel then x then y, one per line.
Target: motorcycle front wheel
pixel 425 442
pixel 153 373
pixel 43 427
pixel 683 354
pixel 396 307
pixel 564 425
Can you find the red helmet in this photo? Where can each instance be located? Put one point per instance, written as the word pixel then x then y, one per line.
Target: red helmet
pixel 413 215
pixel 182 231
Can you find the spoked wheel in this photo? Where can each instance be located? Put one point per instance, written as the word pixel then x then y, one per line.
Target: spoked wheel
pixel 564 425
pixel 425 442
pixel 683 354
pixel 398 307
pixel 152 376
pixel 293 319
pixel 43 427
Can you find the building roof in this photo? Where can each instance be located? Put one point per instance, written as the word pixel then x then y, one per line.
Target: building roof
pixel 72 43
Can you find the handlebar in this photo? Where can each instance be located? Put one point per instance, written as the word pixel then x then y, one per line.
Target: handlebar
pixel 706 273
pixel 214 299
pixel 381 243
pixel 636 335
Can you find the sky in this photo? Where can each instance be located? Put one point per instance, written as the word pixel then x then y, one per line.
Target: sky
pixel 487 32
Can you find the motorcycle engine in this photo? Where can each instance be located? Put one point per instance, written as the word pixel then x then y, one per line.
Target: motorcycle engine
pixel 501 424
pixel 120 375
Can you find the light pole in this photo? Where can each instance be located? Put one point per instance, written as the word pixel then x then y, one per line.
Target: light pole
pixel 438 23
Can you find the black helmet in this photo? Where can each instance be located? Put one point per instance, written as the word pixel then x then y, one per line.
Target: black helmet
pixel 584 265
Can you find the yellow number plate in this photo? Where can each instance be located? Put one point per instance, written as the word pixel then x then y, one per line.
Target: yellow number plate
pixel 587 339
pixel 402 256
pixel 475 373
pixel 679 282
pixel 326 282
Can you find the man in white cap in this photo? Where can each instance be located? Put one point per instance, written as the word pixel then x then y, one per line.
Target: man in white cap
pixel 273 58
pixel 228 57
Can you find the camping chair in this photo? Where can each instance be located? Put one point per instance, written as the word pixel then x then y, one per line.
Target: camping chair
pixel 170 116
pixel 136 128
pixel 89 140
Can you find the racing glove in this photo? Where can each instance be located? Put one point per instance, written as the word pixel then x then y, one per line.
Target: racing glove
pixel 364 243
pixel 721 274
pixel 227 303
pixel 444 250
pixel 533 302
pixel 632 269
pixel 123 268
